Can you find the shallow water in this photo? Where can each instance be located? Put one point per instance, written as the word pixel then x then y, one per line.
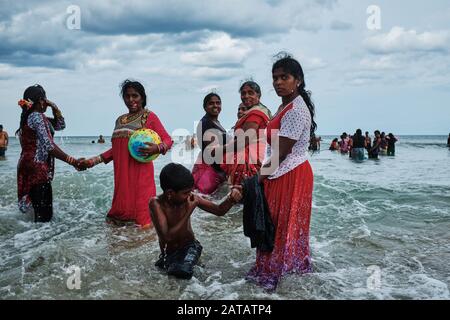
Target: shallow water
pixel 379 230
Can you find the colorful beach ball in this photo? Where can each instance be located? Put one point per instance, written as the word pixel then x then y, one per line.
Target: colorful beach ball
pixel 138 139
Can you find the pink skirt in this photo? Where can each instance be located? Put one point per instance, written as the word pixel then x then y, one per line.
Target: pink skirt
pixel 206 179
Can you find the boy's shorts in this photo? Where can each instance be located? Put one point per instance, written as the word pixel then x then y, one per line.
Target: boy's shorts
pixel 181 262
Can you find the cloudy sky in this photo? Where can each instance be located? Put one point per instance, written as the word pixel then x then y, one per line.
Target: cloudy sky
pixel 393 75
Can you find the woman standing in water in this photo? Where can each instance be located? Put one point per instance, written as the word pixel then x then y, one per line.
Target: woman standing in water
pixel 287 177
pixel 247 158
pixel 134 182
pixel 211 137
pixel 36 166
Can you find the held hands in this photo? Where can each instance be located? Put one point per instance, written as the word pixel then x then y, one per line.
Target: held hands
pixel 236 193
pixel 150 150
pixel 88 163
pixel 76 163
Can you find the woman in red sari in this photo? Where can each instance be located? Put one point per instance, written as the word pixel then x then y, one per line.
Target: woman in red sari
pixel 134 182
pixel 287 178
pixel 247 159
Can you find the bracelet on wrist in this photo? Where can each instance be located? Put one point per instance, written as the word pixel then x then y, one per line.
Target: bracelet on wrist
pixel 70 160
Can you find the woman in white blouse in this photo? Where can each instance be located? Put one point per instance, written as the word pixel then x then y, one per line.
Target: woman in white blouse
pixel 287 177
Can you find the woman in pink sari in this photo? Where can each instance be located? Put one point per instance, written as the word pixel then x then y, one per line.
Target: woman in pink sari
pixel 134 182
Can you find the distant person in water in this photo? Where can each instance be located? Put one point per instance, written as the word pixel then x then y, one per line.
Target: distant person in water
pixel 100 139
pixel 343 144
pixel 314 144
pixel 334 145
pixel 383 144
pixel 4 139
pixel 358 143
pixel 171 215
pixel 367 142
pixel 375 149
pixel 448 141
pixel 391 140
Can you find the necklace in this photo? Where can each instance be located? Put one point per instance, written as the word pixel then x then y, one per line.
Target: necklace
pixel 127 118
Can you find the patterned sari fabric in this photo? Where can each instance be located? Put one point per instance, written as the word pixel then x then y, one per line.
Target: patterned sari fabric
pixel 246 163
pixel 134 182
pixel 288 192
pixel 36 165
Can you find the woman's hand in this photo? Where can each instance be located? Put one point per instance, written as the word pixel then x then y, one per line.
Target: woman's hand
pixel 150 150
pixel 50 104
pixel 236 193
pixel 79 164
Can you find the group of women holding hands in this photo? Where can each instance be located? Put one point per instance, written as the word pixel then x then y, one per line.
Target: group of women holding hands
pixel 281 164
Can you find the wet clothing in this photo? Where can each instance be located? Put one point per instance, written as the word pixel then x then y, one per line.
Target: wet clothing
pixel 358 141
pixel 42 200
pixel 357 152
pixel 375 150
pixel 368 143
pixel 334 146
pixel 207 124
pixel 391 146
pixel 344 145
pixel 208 176
pixel 246 163
pixel 181 262
pixel 134 182
pixel 35 168
pixel 289 197
pixel 258 225
pixel 2 152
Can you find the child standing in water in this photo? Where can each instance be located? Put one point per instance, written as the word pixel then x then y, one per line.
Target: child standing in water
pixel 171 212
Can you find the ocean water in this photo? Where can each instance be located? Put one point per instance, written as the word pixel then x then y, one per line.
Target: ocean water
pixel 380 229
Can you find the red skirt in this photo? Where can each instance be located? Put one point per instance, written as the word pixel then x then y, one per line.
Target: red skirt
pixel 289 198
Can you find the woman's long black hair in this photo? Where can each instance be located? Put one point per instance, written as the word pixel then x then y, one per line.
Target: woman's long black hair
pixel 293 67
pixel 34 93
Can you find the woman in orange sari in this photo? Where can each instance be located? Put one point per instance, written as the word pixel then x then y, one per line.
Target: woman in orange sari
pixel 249 143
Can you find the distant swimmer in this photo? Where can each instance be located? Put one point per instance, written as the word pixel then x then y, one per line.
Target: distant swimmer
pixel 100 139
pixel 4 139
pixel 334 145
pixel 368 142
pixel 358 143
pixel 448 141
pixel 391 140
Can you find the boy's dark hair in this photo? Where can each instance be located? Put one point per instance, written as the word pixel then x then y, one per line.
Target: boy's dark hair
pixel 176 177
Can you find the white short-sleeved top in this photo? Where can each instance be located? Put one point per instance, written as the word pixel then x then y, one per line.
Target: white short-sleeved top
pixel 295 124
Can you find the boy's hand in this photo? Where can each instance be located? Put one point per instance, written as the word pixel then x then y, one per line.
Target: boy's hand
pixel 236 193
